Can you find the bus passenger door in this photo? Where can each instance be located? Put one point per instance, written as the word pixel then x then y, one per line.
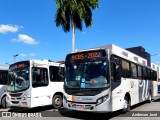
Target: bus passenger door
pixel 40 82
pixel 116 83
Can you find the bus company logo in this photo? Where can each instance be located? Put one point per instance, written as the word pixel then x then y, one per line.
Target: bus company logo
pixel 87 99
pixel 6 114
pixel 12 114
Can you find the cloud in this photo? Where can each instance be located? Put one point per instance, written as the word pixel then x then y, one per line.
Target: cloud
pixel 25 39
pixel 25 55
pixel 9 28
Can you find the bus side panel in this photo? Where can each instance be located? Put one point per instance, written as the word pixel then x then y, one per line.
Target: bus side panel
pixel 155 88
pixel 55 87
pixel 42 96
pixel 3 89
pixel 120 89
pixel 117 95
pixel 133 90
pixel 144 87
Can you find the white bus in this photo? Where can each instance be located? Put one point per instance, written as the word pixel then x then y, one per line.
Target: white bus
pixel 106 78
pixel 3 84
pixel 34 83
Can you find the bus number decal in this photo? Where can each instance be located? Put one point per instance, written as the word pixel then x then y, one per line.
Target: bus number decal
pixel 94 55
pixel 78 57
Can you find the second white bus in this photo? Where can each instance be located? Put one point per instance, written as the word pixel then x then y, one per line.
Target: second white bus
pixel 34 83
pixel 3 84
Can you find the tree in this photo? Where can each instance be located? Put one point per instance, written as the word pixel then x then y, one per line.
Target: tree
pixel 71 13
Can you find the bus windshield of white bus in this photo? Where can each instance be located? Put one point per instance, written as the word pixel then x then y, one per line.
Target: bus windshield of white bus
pixel 87 70
pixel 18 79
pixel 3 77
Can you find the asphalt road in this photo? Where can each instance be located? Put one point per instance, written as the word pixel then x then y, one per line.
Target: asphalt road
pixel 137 113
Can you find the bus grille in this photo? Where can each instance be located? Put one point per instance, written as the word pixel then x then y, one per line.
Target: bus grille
pixel 15 102
pixel 15 94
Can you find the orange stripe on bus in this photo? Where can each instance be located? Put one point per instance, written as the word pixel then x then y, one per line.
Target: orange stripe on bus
pixel 72 98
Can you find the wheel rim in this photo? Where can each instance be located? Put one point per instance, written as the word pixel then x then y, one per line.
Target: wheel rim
pixel 57 101
pixel 150 98
pixel 126 104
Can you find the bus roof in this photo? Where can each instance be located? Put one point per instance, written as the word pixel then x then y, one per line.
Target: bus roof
pixel 4 66
pixel 45 62
pixel 120 52
pixel 42 62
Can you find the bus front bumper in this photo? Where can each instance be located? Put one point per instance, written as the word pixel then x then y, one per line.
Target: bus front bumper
pixel 87 107
pixel 14 102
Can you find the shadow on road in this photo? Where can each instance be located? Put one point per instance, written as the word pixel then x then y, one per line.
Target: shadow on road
pixel 89 115
pixel 30 110
pixel 157 100
pixel 48 111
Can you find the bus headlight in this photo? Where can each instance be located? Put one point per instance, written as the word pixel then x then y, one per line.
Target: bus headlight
pixel 99 101
pixel 24 97
pixel 7 98
pixel 64 97
pixel 102 99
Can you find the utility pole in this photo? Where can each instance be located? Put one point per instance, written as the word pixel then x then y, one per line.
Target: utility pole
pixel 14 57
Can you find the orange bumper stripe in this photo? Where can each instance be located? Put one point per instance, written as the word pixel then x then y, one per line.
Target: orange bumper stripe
pixel 72 98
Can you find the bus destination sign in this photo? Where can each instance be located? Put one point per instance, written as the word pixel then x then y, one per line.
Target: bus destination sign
pixel 19 65
pixel 87 55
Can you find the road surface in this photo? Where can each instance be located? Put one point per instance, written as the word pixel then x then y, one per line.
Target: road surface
pixel 142 111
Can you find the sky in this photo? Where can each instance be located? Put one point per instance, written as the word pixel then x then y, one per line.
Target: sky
pixel 27 28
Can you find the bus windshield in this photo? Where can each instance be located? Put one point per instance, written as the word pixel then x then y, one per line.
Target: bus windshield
pixel 18 79
pixel 87 74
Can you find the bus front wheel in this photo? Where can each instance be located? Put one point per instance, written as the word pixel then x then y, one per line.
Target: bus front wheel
pixel 57 101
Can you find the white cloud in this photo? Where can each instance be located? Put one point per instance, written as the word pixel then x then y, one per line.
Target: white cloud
pixel 25 55
pixel 9 28
pixel 25 39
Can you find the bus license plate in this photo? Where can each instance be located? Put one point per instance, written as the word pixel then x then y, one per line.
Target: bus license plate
pixel 78 106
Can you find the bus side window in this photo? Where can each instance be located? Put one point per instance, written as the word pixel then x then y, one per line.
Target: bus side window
pixel 39 77
pixel 115 69
pixel 3 77
pixel 149 74
pixel 1 81
pixel 154 75
pixel 139 72
pixel 54 74
pixel 144 73
pixel 134 70
pixel 126 73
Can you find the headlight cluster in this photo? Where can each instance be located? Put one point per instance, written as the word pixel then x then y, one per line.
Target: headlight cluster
pixel 24 97
pixel 64 97
pixel 7 97
pixel 102 99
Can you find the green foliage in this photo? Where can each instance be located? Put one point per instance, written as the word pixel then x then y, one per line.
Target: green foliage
pixel 74 11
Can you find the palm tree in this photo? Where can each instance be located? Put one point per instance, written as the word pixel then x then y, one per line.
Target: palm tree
pixel 72 13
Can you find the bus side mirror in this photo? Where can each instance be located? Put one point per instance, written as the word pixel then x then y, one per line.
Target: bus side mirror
pixel 35 70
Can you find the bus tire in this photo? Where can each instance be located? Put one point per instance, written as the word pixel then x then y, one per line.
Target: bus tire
pixel 57 101
pixel 126 105
pixel 149 98
pixel 3 102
